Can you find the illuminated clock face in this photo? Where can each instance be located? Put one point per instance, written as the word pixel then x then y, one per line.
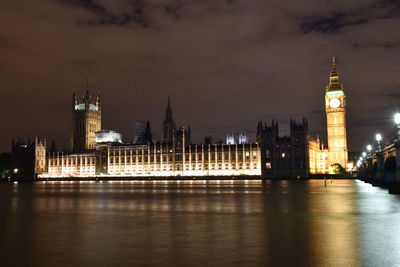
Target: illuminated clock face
pixel 334 103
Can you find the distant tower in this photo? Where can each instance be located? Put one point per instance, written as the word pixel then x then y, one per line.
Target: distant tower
pixel 230 139
pixel 243 139
pixel 169 127
pixel 148 136
pixel 86 121
pixel 335 105
pixel 40 155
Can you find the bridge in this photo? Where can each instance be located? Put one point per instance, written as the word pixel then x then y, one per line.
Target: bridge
pixel 382 168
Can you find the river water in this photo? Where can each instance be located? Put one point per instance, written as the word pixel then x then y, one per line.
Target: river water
pixel 199 223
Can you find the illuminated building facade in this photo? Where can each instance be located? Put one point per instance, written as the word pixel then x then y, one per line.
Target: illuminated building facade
pixel 86 121
pixel 272 156
pixel 157 160
pixel 335 105
pixel 323 159
pixel 318 157
pixel 174 156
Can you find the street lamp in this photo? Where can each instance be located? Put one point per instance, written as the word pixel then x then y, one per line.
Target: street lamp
pixel 364 154
pixel 397 121
pixel 378 138
pixel 369 148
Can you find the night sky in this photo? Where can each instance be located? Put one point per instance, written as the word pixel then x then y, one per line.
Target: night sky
pixel 225 63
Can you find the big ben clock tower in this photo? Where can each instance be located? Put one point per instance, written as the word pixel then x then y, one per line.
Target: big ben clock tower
pixel 335 105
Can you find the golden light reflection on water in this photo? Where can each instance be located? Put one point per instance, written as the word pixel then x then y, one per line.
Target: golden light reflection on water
pixel 334 227
pixel 252 223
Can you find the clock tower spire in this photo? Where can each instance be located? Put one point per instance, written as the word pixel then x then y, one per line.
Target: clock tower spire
pixel 335 106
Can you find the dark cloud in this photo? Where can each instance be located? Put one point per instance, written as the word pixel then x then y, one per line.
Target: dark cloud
pixel 377 45
pixel 338 20
pixel 103 16
pixel 226 64
pixel 330 24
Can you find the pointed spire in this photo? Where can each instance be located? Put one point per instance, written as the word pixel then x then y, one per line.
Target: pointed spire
pixel 98 100
pixel 74 100
pixel 148 136
pixel 169 127
pixel 86 98
pixel 334 82
pixel 333 71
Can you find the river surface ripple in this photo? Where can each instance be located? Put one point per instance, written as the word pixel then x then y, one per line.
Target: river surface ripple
pixel 198 223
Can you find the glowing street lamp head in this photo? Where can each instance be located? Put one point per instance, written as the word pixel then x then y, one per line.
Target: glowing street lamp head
pixel 397 118
pixel 369 147
pixel 364 154
pixel 378 137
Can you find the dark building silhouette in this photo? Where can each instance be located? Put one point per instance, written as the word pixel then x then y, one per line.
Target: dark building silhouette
pixel 28 158
pixel 53 147
pixel 5 165
pixel 286 156
pixel 143 133
pixel 208 140
pixel 169 127
pixel 148 136
pixel 140 128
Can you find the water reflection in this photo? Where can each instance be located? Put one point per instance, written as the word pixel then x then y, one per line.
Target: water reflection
pixel 197 222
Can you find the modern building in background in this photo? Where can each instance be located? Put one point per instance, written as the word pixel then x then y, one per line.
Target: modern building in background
pixel 140 129
pixel 108 136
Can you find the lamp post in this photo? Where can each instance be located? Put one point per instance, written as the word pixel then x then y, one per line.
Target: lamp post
pixel 369 148
pixel 397 121
pixel 378 138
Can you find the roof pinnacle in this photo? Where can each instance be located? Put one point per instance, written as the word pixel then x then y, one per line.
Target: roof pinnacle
pixel 333 71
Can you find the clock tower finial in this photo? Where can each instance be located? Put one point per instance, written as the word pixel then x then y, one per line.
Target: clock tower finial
pixel 334 82
pixel 333 71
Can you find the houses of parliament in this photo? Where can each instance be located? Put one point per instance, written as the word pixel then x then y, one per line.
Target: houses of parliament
pixel 97 152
